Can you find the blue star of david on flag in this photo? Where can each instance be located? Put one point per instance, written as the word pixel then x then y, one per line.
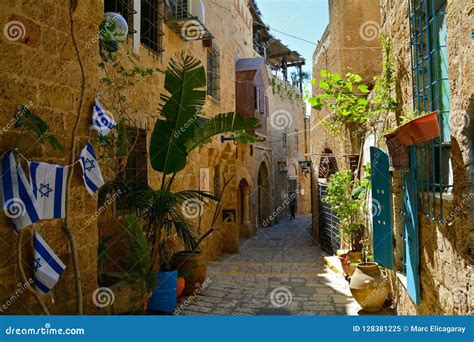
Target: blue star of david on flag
pixel 44 190
pixel 89 165
pixel 90 169
pixel 37 264
pixel 47 272
pixel 49 188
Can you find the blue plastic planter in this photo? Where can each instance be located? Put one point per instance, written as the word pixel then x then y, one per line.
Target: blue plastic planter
pixel 164 295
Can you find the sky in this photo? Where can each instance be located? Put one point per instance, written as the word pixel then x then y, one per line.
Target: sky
pixel 306 19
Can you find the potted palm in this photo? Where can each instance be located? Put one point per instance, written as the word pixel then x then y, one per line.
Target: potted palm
pixel 180 130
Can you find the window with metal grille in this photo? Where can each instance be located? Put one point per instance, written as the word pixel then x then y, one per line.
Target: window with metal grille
pixel 135 173
pixel 213 76
pixel 430 161
pixel 284 139
pixel 123 7
pixel 151 25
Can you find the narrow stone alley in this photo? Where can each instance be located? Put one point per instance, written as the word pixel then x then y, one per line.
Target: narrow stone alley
pixel 277 272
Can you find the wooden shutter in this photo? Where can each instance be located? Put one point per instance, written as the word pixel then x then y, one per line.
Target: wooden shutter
pixel 381 207
pixel 410 212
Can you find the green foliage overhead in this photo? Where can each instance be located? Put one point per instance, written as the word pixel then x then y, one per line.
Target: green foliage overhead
pixel 344 98
pixel 179 132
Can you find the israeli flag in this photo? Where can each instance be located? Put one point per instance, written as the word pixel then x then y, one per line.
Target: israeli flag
pixel 16 195
pixel 47 266
pixel 90 169
pixel 49 188
pixel 100 120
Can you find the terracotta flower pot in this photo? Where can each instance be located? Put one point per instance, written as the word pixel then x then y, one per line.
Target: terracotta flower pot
pixel 193 268
pixel 417 131
pixel 369 287
pixel 344 259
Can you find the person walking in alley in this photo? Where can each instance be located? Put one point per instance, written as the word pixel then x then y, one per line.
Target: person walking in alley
pixel 292 204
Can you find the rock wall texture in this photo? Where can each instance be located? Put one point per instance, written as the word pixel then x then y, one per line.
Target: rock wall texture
pixel 446 274
pixel 350 43
pixel 40 69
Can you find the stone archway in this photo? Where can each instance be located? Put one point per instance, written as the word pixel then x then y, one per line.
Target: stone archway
pixel 245 224
pixel 263 195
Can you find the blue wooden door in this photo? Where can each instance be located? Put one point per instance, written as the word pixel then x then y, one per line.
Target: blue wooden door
pixel 381 207
pixel 410 212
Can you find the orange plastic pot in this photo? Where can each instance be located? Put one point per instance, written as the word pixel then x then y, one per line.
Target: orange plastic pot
pixel 417 131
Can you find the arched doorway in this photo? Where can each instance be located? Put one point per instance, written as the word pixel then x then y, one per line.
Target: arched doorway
pixel 245 224
pixel 263 196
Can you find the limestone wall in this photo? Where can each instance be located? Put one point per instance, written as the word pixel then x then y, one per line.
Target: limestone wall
pixel 41 70
pixel 446 274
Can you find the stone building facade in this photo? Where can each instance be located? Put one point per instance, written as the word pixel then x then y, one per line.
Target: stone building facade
pixel 41 69
pixel 349 43
pixel 442 284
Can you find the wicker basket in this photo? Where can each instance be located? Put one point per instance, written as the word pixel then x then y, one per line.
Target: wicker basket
pixel 398 155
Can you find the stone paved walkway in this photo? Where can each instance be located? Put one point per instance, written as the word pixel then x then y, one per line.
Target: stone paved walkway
pixel 278 271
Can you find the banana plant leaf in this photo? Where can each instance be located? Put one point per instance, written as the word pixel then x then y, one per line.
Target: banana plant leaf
pixel 179 131
pixel 183 81
pixel 224 123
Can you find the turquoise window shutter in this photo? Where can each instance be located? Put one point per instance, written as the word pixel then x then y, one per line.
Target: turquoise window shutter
pixel 410 212
pixel 381 207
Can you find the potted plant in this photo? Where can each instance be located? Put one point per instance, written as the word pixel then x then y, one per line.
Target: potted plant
pixel 348 208
pixel 180 129
pixel 414 129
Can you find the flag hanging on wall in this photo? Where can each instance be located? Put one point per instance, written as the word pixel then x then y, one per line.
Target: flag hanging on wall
pixel 48 182
pixel 101 121
pixel 90 169
pixel 19 203
pixel 47 265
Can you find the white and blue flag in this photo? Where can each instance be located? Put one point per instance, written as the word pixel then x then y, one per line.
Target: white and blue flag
pixel 90 169
pixel 16 195
pixel 101 121
pixel 48 182
pixel 47 265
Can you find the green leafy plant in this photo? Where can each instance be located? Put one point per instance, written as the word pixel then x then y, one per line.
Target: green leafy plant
pixel 138 256
pixel 179 131
pixel 344 98
pixel 37 127
pixel 382 103
pixel 347 201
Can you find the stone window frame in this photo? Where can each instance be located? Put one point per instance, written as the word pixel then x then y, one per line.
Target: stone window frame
pixel 213 73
